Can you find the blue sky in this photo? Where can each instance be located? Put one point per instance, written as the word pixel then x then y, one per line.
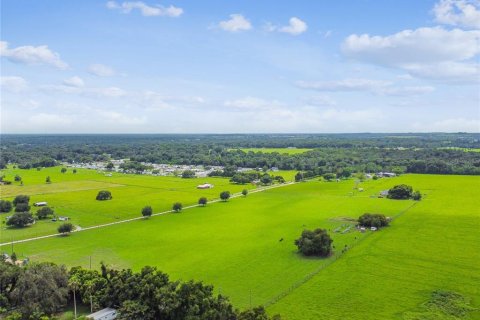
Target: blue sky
pixel 239 66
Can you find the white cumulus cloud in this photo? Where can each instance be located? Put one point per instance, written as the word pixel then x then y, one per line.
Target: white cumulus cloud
pixel 74 82
pixel 295 27
pixel 236 23
pixel 13 83
pixel 145 10
pixel 434 53
pixel 101 70
pixel 465 13
pixel 32 55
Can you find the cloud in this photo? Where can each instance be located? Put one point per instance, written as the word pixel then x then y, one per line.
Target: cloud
pixel 252 103
pixel 101 70
pixel 236 23
pixel 379 87
pixel 74 82
pixel 319 101
pixel 13 84
pixel 105 92
pixel 146 10
pixel 465 13
pixel 32 55
pixel 450 125
pixel 119 118
pixel 295 27
pixel 434 53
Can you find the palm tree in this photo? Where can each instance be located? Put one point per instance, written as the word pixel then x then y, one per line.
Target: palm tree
pixel 73 283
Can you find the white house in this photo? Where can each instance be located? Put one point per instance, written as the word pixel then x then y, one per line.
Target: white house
pixel 104 314
pixel 205 186
pixel 40 204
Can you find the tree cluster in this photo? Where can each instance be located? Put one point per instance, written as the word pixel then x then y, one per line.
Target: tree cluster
pixel 315 243
pixel 403 192
pixel 104 195
pixel 373 220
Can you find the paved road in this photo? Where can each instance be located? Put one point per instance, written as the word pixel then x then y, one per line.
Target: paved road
pixel 79 229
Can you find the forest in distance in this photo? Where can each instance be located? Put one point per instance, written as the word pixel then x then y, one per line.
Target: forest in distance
pixel 433 153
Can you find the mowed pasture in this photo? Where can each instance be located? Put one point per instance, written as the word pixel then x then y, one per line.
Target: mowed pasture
pixel 73 195
pixel 245 247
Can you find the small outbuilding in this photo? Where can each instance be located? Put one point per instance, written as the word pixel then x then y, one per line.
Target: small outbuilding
pixel 40 204
pixel 373 228
pixel 205 186
pixel 104 314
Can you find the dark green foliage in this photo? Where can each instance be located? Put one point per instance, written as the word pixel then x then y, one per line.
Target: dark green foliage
pixel 279 179
pixel 245 177
pixel 63 170
pixel 110 166
pixel 443 305
pixel 104 195
pixel 400 192
pixel 17 178
pixel 40 288
pixel 417 196
pixel 147 211
pixel 74 171
pixel 244 192
pixel 257 313
pixel 187 174
pixel 225 195
pixel 20 219
pixel 44 212
pixel 48 180
pixel 21 199
pixel 177 207
pixel 65 228
pixel 299 177
pixel 373 220
pixel 202 201
pixel 329 176
pixel 314 243
pixel 5 206
pixel 266 179
pixel 134 166
pixel 22 207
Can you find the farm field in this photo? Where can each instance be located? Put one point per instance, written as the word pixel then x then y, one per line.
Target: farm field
pixel 73 195
pixel 279 150
pixel 245 247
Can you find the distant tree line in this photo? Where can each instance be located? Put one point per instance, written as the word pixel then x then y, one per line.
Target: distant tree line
pixel 42 290
pixel 338 154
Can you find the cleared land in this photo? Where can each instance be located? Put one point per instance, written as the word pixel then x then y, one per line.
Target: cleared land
pixel 245 247
pixel 278 150
pixel 73 195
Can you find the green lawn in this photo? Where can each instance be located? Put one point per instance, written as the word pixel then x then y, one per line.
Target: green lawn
pixel 237 247
pixel 272 150
pixel 73 195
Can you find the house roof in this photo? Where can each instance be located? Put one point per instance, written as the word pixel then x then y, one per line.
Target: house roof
pixel 101 313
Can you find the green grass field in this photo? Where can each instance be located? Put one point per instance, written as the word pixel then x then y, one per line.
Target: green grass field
pixel 236 246
pixel 73 195
pixel 279 150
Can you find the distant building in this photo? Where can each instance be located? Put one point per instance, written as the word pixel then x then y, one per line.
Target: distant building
pixel 373 228
pixel 383 193
pixel 104 314
pixel 386 174
pixel 40 204
pixel 205 186
pixel 63 218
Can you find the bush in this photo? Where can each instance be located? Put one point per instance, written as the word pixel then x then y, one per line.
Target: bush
pixel 373 220
pixel 244 192
pixel 225 195
pixel 17 178
pixel 5 206
pixel 104 195
pixel 63 170
pixel 417 196
pixel 21 199
pixel 177 207
pixel 314 243
pixel 22 207
pixel 65 228
pixel 329 176
pixel 20 219
pixel 299 177
pixel 202 201
pixel 44 212
pixel 147 211
pixel 400 192
pixel 187 174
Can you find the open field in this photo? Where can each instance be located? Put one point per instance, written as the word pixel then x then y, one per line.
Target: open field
pixel 236 246
pixel 279 150
pixel 462 149
pixel 73 195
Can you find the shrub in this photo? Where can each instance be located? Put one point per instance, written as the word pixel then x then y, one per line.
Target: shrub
pixel 17 178
pixel 244 192
pixel 104 195
pixel 147 211
pixel 21 199
pixel 65 228
pixel 188 174
pixel 177 207
pixel 225 195
pixel 20 219
pixel 22 207
pixel 314 243
pixel 5 206
pixel 400 192
pixel 44 212
pixel 417 196
pixel 202 201
pixel 373 220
